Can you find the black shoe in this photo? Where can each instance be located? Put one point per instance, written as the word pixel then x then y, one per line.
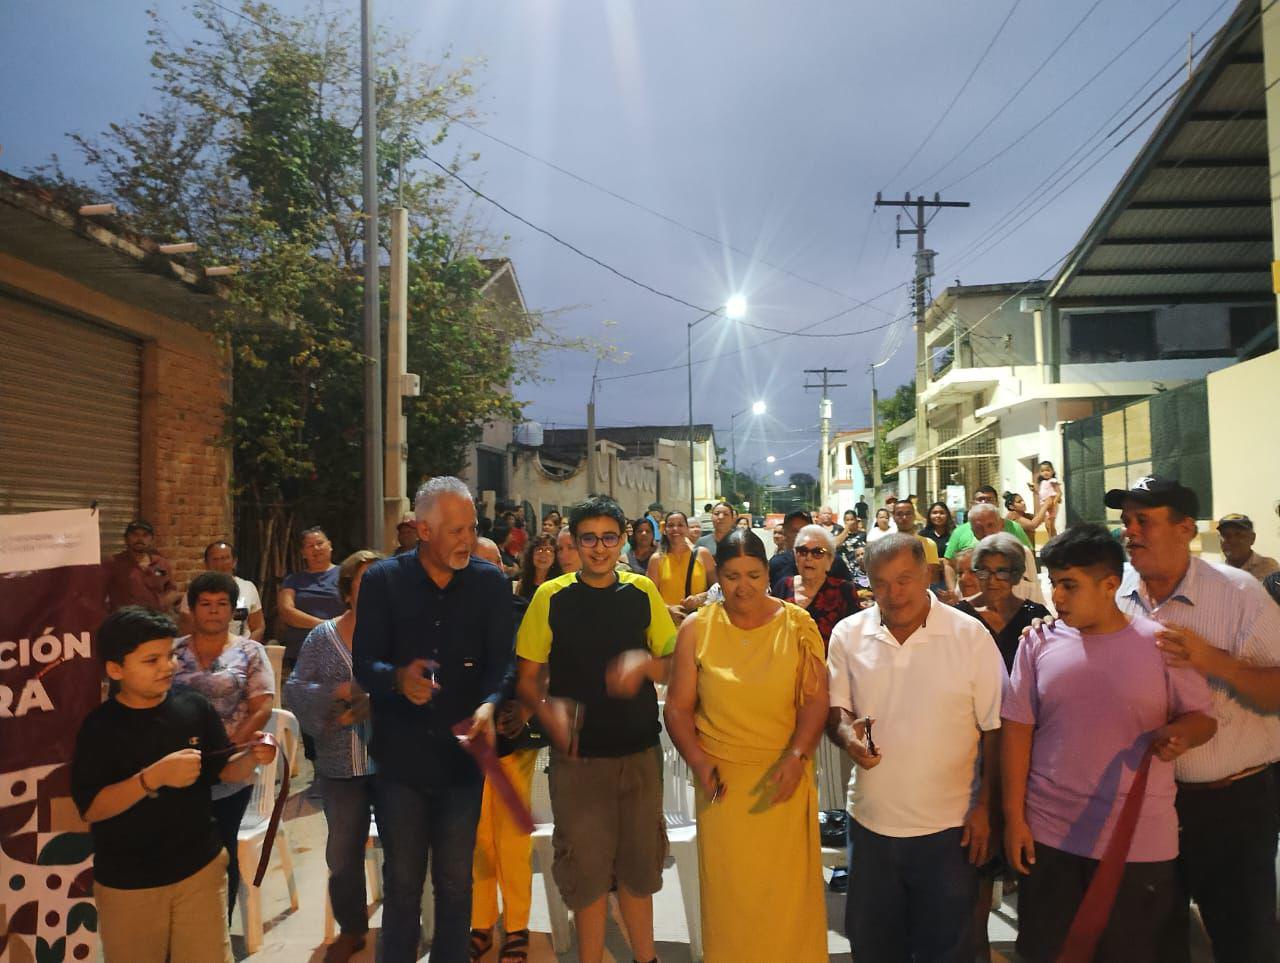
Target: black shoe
pixel 839 881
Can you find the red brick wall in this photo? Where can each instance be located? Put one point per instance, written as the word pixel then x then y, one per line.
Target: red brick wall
pixel 185 463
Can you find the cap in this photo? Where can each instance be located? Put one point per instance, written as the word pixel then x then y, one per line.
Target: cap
pixel 408 518
pixel 141 523
pixel 1154 491
pixel 654 506
pixel 1235 518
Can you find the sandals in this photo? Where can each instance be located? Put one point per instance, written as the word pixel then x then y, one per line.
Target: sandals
pixel 481 943
pixel 515 947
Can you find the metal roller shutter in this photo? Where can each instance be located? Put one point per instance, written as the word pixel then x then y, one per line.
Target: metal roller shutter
pixel 69 416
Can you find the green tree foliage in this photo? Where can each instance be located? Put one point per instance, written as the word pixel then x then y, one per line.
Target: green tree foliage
pixel 253 151
pixel 897 409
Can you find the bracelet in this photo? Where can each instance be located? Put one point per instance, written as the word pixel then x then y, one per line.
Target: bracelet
pixel 798 754
pixel 142 780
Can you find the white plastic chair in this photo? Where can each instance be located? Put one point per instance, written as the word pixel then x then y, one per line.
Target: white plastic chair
pixel 253 829
pixel 275 655
pixel 372 878
pixel 831 770
pixel 682 834
pixel 543 853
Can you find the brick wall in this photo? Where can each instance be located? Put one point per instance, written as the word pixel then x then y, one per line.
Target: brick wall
pixel 185 464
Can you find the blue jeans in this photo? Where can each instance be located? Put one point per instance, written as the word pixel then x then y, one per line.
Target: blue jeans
pixel 415 825
pixel 910 898
pixel 347 807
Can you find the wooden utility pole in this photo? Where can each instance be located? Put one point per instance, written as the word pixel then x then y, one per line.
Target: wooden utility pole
pixel 824 415
pixel 915 211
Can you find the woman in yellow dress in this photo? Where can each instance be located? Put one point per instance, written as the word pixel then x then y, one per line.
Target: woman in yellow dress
pixel 746 707
pixel 682 571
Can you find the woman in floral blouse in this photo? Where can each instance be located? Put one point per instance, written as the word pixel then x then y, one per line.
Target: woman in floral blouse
pixel 234 673
pixel 827 599
pixel 334 710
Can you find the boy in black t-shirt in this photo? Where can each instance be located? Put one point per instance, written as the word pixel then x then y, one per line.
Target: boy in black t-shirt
pixel 143 766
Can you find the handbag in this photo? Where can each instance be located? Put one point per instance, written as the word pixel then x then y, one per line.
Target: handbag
pixel 833 828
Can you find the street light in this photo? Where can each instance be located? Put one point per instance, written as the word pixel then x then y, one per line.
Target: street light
pixel 757 408
pixel 770 459
pixel 734 308
pixel 781 471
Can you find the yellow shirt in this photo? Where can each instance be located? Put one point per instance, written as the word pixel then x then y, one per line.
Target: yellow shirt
pixel 671 575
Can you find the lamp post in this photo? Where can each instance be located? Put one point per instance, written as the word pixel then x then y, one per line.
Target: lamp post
pixel 733 309
pixel 757 408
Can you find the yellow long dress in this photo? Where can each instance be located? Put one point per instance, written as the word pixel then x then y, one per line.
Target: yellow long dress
pixel 759 863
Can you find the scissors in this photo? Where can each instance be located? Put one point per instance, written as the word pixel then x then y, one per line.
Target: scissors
pixel 871 745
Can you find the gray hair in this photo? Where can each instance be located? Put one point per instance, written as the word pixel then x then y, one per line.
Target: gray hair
pixel 432 489
pixel 819 531
pixel 891 546
pixel 1008 548
pixel 982 507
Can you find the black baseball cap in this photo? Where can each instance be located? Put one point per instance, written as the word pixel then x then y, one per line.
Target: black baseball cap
pixel 654 507
pixel 1154 491
pixel 1235 518
pixel 141 523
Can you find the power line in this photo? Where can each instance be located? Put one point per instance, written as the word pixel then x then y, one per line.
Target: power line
pixel 1021 89
pixel 963 87
pixel 755 258
pixel 1072 96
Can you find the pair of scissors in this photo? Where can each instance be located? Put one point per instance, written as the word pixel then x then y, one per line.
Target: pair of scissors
pixel 871 744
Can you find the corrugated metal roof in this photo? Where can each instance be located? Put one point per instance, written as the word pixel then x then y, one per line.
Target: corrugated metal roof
pixel 1191 218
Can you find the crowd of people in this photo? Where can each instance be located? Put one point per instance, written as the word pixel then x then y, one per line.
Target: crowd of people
pixel 1123 729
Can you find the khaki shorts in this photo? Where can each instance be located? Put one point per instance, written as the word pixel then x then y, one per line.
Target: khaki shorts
pixel 608 825
pixel 185 921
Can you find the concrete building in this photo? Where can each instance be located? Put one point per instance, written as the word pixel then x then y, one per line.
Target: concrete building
pixel 850 467
pixel 111 389
pixel 636 466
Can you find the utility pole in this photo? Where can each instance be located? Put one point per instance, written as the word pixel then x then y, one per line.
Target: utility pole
pixel 875 439
pixel 373 454
pixel 591 432
pixel 915 211
pixel 824 414
pixel 400 384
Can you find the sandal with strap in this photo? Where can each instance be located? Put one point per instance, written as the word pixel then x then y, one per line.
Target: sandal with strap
pixel 515 947
pixel 481 943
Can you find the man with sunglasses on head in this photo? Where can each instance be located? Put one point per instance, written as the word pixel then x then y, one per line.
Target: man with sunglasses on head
pixel 604 637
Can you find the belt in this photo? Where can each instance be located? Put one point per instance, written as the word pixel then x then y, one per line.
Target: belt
pixel 1223 783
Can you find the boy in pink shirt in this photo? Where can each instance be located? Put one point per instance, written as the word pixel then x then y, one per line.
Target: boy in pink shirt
pixel 1086 698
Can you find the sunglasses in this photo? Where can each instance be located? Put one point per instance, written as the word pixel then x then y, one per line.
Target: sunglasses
pixel 608 540
pixel 804 551
pixel 984 575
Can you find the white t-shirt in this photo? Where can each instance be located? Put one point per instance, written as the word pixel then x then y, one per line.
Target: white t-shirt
pixel 930 700
pixel 248 604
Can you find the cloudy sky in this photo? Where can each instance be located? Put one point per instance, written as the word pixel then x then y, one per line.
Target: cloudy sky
pixel 762 128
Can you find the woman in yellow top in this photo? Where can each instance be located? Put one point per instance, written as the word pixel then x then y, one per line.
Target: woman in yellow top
pixel 682 571
pixel 746 707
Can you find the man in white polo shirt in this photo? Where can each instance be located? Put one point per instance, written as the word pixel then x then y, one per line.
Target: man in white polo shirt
pixel 930 679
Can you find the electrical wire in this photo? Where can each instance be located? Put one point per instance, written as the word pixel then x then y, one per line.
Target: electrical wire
pixel 1018 92
pixel 958 94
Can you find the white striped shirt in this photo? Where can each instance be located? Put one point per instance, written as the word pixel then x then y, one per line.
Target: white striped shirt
pixel 1230 609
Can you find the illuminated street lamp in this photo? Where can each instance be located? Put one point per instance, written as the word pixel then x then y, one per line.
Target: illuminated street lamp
pixel 733 309
pixel 757 408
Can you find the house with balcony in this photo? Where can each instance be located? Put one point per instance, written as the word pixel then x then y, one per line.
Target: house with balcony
pixel 849 467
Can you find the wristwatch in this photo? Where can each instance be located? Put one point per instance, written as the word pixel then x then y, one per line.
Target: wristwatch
pixel 142 779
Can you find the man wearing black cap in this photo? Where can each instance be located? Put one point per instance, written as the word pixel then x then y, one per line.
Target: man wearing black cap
pixel 1236 533
pixel 140 575
pixel 1217 620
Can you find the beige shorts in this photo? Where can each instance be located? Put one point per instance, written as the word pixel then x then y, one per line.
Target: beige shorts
pixel 186 920
pixel 608 825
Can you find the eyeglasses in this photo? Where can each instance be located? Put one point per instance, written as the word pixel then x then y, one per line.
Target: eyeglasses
pixel 543 548
pixel 608 540
pixel 804 551
pixel 984 574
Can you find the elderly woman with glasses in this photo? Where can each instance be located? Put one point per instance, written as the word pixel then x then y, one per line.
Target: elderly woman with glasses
pixel 999 563
pixel 826 598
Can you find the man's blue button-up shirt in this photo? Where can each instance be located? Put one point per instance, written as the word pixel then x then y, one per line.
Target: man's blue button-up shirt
pixel 465 628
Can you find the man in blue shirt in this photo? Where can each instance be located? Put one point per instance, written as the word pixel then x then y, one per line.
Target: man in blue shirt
pixel 432 645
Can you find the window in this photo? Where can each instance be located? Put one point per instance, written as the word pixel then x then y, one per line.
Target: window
pixel 1253 329
pixel 1111 336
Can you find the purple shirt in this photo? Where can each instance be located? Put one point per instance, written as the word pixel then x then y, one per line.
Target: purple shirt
pixel 1095 701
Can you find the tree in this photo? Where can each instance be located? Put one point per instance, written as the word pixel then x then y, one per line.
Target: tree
pixel 254 153
pixel 896 410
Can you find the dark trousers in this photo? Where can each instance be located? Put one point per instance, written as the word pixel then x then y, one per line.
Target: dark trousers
pixel 1145 909
pixel 227 814
pixel 910 898
pixel 415 826
pixel 347 807
pixel 1227 842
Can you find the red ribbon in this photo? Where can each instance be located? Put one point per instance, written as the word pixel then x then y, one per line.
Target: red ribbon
pixel 1099 899
pixel 486 757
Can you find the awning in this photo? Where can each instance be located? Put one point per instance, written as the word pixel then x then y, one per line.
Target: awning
pixel 939 451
